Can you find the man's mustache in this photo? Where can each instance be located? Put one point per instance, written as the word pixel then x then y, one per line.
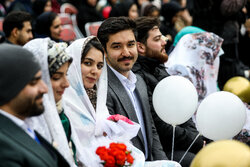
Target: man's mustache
pixel 126 58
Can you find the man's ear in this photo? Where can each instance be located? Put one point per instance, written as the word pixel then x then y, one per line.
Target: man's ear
pixel 141 48
pixel 15 32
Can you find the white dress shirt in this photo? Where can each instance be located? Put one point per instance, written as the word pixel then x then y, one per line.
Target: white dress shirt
pixel 129 85
pixel 22 124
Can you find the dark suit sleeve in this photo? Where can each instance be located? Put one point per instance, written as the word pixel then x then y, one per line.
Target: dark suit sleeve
pixel 110 104
pixel 157 150
pixel 184 133
pixel 6 163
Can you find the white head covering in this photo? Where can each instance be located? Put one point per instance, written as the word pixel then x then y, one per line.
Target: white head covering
pixel 49 124
pixel 88 121
pixel 196 57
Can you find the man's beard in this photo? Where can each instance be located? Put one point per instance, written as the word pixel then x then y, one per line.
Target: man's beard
pixel 30 107
pixel 158 55
pixel 21 41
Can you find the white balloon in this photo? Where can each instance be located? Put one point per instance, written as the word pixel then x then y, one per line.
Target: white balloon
pixel 221 115
pixel 175 99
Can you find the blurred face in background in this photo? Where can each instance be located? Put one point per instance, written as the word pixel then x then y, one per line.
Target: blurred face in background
pixel 25 34
pixel 92 2
pixel 247 26
pixel 56 28
pixel 133 12
pixel 48 7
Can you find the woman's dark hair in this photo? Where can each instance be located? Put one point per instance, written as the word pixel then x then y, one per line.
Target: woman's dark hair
pixel 121 9
pixel 93 43
pixel 43 23
pixel 38 7
pixel 143 25
pixel 149 9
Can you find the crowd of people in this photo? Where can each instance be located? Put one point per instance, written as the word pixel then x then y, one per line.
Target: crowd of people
pixel 57 97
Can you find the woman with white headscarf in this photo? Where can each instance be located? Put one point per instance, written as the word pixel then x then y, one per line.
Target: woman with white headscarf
pixel 86 103
pixel 54 124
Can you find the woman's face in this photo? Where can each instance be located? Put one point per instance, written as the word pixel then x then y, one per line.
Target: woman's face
pixel 47 7
pixel 155 13
pixel 59 81
pixel 133 12
pixel 56 28
pixel 91 67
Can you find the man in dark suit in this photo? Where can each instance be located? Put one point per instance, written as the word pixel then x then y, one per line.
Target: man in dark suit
pixel 21 97
pixel 127 93
pixel 150 66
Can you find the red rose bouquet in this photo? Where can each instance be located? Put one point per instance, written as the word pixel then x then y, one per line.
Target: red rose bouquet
pixel 116 155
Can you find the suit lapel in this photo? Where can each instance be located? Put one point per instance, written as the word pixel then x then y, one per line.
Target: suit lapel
pixel 122 95
pixel 142 92
pixel 19 136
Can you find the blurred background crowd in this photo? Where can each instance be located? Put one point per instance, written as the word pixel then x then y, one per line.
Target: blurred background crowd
pixel 67 20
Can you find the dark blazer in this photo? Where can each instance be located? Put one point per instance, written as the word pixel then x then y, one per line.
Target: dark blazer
pixel 152 72
pixel 118 102
pixel 18 149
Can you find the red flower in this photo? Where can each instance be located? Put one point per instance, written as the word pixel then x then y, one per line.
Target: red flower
pixel 122 147
pixel 110 161
pixel 120 157
pixel 101 150
pixel 130 159
pixel 118 117
pixel 116 155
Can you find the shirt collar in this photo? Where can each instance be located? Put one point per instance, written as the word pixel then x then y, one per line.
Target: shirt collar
pixel 13 118
pixel 128 82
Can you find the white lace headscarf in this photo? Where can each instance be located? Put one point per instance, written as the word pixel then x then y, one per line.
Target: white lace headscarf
pixel 196 57
pixel 49 124
pixel 89 122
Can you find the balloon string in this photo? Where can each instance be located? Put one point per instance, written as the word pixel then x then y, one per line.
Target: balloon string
pixel 172 153
pixel 189 147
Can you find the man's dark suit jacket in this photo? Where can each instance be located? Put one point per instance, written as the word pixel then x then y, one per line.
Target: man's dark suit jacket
pixel 18 149
pixel 118 102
